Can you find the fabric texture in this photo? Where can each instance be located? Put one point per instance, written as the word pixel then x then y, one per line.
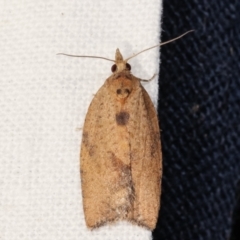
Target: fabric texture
pixel 44 98
pixel 200 121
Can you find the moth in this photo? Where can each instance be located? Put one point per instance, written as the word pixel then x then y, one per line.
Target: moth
pixel 121 158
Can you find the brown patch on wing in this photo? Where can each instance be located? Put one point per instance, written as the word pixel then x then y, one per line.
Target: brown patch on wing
pixel 122 186
pixel 122 118
pixel 85 138
pixel 90 147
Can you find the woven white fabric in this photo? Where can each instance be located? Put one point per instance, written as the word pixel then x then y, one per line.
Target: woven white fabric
pixel 44 98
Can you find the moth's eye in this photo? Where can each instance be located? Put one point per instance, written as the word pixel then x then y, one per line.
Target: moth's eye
pixel 128 66
pixel 114 68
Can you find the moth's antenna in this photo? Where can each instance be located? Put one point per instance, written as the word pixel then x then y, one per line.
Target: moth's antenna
pixel 172 40
pixel 111 60
pixel 69 55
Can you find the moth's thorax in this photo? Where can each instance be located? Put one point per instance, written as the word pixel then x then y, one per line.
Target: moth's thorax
pixel 122 84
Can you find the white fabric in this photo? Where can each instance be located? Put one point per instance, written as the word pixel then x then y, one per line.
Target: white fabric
pixel 44 98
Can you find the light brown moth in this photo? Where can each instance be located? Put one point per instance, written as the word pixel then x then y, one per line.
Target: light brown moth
pixel 121 152
pixel 121 159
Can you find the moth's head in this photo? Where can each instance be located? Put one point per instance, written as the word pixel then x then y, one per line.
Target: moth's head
pixel 120 64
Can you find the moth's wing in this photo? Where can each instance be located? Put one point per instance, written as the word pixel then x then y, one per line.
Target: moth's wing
pixel 121 159
pixel 146 159
pixel 105 177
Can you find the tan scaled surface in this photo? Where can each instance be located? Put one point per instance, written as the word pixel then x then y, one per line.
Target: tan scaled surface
pixel 121 161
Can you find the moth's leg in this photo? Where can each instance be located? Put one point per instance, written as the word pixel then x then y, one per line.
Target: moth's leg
pixel 148 80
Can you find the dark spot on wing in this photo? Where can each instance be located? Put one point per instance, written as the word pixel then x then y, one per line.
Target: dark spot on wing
pixel 124 92
pixel 85 138
pixel 122 118
pixel 127 91
pixel 92 150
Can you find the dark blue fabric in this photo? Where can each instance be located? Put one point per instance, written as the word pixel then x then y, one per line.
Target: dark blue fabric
pixel 199 112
